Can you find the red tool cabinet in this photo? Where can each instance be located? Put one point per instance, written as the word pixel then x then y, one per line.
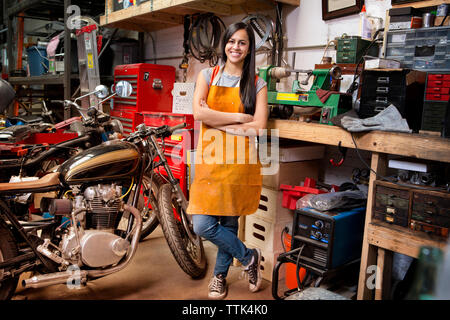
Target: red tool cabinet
pixel 152 91
pixel 151 103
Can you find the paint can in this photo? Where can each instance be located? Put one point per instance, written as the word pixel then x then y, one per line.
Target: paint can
pixel 428 20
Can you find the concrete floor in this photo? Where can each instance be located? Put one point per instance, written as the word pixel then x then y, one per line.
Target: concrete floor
pixel 153 274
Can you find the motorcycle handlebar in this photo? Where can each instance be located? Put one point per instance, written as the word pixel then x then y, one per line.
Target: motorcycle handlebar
pixel 160 132
pixel 57 101
pixel 177 127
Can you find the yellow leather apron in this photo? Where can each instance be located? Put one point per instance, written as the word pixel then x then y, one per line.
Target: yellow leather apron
pixel 227 177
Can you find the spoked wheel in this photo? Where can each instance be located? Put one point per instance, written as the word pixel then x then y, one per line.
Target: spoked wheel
pixel 148 194
pixel 8 250
pixel 188 252
pixel 150 188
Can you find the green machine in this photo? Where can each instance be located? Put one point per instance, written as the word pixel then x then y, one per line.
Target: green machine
pixel 286 102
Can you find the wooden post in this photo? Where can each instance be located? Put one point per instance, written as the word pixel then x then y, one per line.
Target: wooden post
pixel 383 282
pixel 369 252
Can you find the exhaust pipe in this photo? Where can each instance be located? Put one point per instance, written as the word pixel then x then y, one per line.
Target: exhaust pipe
pixel 82 275
pixel 50 279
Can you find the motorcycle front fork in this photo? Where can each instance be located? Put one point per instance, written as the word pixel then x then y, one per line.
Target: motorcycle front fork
pixel 181 199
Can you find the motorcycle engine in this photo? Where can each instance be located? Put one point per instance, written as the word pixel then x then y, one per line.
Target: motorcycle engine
pixel 103 206
pixel 99 246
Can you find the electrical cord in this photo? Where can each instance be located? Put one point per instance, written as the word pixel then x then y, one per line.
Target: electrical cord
pixel 297 269
pixel 354 86
pixel 285 230
pixel 279 35
pixel 443 20
pixel 154 48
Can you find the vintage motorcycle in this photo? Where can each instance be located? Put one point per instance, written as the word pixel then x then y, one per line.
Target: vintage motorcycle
pixel 89 231
pixel 94 128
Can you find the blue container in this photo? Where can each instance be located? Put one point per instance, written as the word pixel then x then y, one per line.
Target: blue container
pixel 37 60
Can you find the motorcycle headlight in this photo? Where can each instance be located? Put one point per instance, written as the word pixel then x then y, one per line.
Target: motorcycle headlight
pixel 117 126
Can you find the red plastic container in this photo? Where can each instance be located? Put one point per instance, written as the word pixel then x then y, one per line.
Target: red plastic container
pixel 292 193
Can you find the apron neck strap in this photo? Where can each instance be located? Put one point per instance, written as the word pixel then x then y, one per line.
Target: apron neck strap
pixel 217 73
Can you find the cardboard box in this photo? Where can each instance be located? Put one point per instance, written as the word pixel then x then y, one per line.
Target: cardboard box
pixel 382 63
pixel 270 207
pixel 297 152
pixel 291 173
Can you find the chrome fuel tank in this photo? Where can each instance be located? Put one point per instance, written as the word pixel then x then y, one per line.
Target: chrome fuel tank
pixel 110 160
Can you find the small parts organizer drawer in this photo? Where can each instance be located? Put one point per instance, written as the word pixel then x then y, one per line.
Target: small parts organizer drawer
pixel 391 205
pixel 419 210
pixel 430 213
pixel 438 77
pixel 437 96
pixel 438 87
pixel 351 49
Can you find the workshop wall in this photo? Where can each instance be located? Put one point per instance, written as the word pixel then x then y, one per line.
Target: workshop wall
pixel 307 35
pixel 303 28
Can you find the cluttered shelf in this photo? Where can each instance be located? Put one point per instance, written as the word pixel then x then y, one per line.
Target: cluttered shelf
pixel 159 14
pixel 400 239
pixel 420 4
pixel 410 145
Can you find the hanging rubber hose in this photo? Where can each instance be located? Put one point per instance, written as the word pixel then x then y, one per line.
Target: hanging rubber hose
pixel 205 36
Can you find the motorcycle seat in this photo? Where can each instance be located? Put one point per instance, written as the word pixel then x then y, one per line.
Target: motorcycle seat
pixel 47 181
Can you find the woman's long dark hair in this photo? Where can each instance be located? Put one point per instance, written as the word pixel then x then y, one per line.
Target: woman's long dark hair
pixel 247 90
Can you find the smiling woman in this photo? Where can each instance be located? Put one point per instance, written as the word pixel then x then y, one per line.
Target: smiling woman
pixel 237 49
pixel 230 100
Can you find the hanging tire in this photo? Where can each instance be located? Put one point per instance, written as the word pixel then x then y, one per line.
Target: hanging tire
pixel 8 250
pixel 190 255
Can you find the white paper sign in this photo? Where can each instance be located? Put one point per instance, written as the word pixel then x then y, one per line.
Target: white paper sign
pixel 183 95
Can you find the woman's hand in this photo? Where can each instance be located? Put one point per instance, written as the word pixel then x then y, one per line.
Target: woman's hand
pixel 244 118
pixel 203 104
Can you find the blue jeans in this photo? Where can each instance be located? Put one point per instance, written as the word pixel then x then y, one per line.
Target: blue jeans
pixel 222 231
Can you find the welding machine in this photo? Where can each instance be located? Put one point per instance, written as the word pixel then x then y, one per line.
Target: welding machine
pixel 330 239
pixel 325 243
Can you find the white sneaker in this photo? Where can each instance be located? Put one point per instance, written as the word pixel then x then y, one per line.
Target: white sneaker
pixel 254 272
pixel 217 287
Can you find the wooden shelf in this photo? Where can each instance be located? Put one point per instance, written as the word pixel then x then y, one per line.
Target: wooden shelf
pixel 160 14
pixel 421 4
pixel 404 144
pixel 400 239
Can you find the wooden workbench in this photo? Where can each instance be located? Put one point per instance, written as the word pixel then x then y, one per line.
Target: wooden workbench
pixel 380 239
